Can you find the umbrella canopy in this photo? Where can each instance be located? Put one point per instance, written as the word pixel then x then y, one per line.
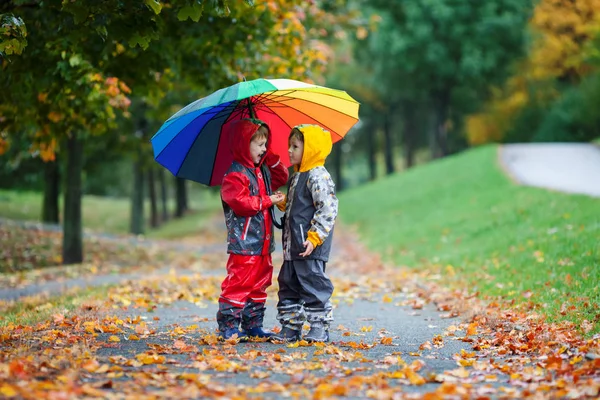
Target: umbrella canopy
pixel 194 143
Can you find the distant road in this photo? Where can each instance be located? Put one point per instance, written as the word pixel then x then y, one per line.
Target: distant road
pixel 566 167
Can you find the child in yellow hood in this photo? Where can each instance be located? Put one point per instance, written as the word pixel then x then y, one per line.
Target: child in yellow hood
pixel 310 212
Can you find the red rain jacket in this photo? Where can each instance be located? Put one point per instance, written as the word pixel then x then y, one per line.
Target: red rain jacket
pixel 245 198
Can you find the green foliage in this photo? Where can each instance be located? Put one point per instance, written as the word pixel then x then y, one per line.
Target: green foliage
pixel 13 35
pixel 574 116
pixel 154 5
pixel 462 217
pixel 570 117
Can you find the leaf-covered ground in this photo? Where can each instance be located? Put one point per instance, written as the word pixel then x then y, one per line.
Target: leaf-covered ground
pixel 397 334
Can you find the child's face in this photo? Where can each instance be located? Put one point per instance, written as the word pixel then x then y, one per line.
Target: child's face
pixel 258 147
pixel 296 151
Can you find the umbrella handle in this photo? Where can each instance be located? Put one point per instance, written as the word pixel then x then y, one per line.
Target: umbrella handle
pixel 278 225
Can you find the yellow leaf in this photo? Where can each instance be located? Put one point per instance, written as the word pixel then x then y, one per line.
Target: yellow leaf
pixel 114 338
pixel 575 360
pixel 413 377
pixel 150 358
pixel 465 363
pixel 103 369
pixel 8 390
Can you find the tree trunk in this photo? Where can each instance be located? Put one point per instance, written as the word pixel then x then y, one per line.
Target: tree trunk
pixel 137 200
pixel 50 211
pixel 441 102
pixel 153 202
pixel 163 194
pixel 337 168
pixel 371 152
pixel 181 195
pixel 409 134
pixel 72 224
pixel 389 145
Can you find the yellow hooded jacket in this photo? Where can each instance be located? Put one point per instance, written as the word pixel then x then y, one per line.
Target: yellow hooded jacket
pixel 311 205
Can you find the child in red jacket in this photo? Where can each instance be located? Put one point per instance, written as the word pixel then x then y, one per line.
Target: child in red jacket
pixel 247 200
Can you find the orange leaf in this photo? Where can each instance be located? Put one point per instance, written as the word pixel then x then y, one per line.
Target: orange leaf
pixel 386 340
pixel 91 365
pixel 472 329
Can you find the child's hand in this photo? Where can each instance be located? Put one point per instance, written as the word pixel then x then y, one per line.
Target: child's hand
pixel 277 197
pixel 309 248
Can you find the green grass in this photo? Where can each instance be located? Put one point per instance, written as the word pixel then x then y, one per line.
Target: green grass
pixel 111 215
pixel 35 309
pixel 462 216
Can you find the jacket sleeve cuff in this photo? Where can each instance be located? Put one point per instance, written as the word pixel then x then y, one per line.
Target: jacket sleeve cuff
pixel 314 238
pixel 265 202
pixel 272 160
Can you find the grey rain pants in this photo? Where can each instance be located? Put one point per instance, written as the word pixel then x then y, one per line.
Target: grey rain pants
pixel 304 294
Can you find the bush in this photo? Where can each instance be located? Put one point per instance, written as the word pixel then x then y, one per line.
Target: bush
pixel 574 116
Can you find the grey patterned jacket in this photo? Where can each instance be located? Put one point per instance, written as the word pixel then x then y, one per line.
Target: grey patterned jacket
pixel 311 207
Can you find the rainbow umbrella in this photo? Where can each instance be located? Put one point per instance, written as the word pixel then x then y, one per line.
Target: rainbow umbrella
pixel 194 143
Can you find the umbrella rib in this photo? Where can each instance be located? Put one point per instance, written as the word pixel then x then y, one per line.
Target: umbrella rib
pixel 308 116
pixel 192 120
pixel 268 106
pixel 281 101
pixel 224 110
pixel 290 91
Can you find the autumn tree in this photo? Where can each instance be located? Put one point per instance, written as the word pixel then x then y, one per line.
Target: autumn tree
pixel 559 58
pixel 450 52
pixel 71 84
pixel 57 89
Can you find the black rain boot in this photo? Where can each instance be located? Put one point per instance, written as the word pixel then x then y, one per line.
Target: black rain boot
pixel 287 335
pixel 318 332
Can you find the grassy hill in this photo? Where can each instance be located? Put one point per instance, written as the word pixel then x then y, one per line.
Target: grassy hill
pixel 463 217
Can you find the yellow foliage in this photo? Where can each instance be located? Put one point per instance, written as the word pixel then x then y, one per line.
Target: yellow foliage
pixel 302 55
pixel 564 29
pixel 48 151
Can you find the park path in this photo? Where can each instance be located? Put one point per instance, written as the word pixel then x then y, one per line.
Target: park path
pixel 397 334
pixel 565 167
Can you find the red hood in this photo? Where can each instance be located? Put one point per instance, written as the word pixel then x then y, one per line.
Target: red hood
pixel 240 135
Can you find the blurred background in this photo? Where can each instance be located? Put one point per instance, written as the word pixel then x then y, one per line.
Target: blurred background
pixel 86 84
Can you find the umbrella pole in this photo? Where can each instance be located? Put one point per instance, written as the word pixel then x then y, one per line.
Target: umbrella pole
pixel 278 224
pixel 251 110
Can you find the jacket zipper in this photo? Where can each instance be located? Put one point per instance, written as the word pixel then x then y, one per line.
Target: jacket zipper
pixel 246 227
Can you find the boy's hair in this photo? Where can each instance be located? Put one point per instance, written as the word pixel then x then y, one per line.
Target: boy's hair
pixel 261 133
pixel 296 134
